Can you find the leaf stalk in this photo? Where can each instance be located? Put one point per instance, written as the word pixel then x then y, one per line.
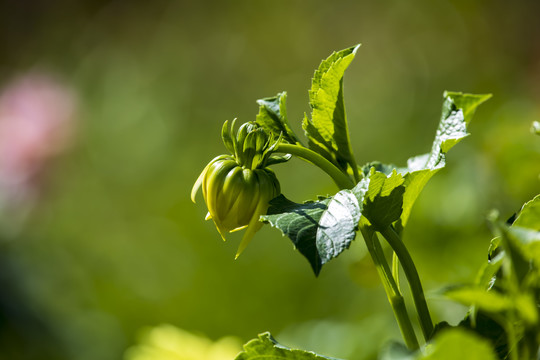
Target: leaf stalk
pixel 411 273
pixel 391 288
pixel 342 180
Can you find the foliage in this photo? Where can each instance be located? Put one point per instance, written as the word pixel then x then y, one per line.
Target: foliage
pixel 376 199
pixel 266 347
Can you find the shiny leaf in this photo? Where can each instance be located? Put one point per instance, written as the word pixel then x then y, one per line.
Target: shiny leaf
pixel 320 230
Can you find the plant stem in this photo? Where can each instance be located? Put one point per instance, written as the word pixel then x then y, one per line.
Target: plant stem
pixel 395 269
pixel 392 291
pixel 414 280
pixel 342 180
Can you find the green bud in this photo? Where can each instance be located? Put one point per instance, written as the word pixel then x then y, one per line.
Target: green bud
pixel 237 188
pixel 236 196
pixel 252 146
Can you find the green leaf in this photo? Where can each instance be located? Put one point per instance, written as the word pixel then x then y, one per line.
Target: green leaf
pixel 484 326
pixel 459 344
pixel 529 216
pixel 397 351
pixel 320 230
pixel 338 225
pixel 327 130
pixel 457 112
pixel 272 117
pixel 486 277
pixel 265 347
pixel 383 200
pixel 488 301
pixel 526 241
pixel 448 344
pixel 519 246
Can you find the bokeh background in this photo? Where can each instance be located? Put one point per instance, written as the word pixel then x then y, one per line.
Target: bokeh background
pixel 99 239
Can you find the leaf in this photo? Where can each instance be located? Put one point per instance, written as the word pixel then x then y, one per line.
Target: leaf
pixel 486 277
pixel 265 347
pixel 460 344
pixel 527 242
pixel 272 117
pixel 484 326
pixel 488 301
pixel 384 199
pixel 397 351
pixel 448 344
pixel 338 225
pixel 327 130
pixel 529 216
pixel 320 230
pixel 519 246
pixel 457 112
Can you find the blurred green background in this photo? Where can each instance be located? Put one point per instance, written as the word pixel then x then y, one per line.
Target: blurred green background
pixel 114 244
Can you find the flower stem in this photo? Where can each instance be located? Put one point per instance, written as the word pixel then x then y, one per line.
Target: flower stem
pixel 390 286
pixel 342 180
pixel 414 280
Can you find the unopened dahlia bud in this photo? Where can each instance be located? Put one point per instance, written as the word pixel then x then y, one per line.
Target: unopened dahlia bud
pixel 237 189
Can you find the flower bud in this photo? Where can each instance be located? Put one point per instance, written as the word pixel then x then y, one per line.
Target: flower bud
pixel 237 189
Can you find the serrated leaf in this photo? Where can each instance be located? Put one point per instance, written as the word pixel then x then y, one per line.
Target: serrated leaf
pixel 273 117
pixel 320 230
pixel 265 347
pixel 327 130
pixel 383 200
pixel 457 112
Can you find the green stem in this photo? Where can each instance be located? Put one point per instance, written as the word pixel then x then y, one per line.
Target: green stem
pixel 342 180
pixel 392 291
pixel 354 167
pixel 395 269
pixel 414 280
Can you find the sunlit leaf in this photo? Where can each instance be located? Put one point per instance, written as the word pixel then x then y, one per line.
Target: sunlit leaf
pixel 320 230
pixel 384 198
pixel 327 130
pixel 338 225
pixel 457 112
pixel 529 216
pixel 265 347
